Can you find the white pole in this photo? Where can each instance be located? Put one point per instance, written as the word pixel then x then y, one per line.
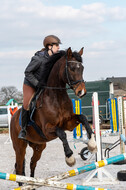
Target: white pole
pixel 98 173
pixel 9 119
pixel 124 107
pixel 122 147
pixel 97 129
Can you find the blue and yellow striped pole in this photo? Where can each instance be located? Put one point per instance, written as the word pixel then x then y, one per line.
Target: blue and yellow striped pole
pixel 77 132
pixel 68 186
pixel 113 107
pixel 53 180
pixel 117 119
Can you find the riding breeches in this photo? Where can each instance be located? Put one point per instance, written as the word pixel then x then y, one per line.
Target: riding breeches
pixel 28 93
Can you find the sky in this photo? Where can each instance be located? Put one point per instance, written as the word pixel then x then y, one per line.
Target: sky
pixel 97 25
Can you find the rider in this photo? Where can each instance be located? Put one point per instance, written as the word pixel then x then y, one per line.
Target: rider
pixel 36 75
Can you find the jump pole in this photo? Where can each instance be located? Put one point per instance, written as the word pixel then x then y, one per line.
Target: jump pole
pixel 99 172
pixel 123 136
pixel 10 114
pixel 62 186
pixel 71 173
pixel 113 108
pixel 121 124
pixel 124 107
pixel 8 141
pixel 77 132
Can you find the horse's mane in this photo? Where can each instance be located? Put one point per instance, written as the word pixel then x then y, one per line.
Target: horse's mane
pixel 55 57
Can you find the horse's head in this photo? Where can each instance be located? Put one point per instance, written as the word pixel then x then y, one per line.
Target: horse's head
pixel 74 72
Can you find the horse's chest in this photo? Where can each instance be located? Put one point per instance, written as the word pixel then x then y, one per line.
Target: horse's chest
pixel 64 115
pixel 59 111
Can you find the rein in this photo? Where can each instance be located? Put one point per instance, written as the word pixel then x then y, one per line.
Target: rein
pixel 56 88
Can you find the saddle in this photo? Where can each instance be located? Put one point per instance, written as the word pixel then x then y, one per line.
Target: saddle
pixel 32 109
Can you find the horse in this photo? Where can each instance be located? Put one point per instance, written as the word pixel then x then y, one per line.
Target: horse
pixel 54 113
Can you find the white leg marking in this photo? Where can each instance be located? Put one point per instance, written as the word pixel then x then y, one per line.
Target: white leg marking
pixel 92 146
pixel 70 161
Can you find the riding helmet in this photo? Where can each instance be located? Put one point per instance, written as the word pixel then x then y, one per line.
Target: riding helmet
pixel 50 40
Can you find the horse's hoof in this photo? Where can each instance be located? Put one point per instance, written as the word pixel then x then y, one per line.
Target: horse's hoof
pixel 92 149
pixel 92 146
pixel 70 161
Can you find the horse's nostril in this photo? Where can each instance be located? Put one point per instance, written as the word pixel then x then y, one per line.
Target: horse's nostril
pixel 79 93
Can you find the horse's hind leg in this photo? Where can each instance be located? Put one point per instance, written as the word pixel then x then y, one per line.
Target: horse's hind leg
pixel 37 151
pixel 23 171
pixel 20 152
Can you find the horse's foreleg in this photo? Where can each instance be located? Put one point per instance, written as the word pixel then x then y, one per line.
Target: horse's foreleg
pixel 63 137
pixel 70 160
pixel 37 151
pixel 91 143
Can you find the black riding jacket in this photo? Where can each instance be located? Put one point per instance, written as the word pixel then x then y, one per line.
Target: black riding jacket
pixel 39 68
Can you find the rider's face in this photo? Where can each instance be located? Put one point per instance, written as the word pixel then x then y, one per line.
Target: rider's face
pixel 55 48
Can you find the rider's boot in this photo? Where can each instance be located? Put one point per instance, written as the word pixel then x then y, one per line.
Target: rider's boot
pixel 24 122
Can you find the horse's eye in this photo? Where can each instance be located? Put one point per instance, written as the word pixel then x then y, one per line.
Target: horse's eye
pixel 72 67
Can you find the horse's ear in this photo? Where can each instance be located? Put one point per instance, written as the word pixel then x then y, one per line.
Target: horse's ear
pixel 81 51
pixel 69 52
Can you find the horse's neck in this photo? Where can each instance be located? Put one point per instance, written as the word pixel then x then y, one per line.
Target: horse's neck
pixel 57 83
pixel 56 77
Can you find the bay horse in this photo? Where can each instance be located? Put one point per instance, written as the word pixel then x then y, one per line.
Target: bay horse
pixel 55 116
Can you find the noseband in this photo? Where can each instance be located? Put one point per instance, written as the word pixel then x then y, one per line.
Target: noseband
pixel 71 83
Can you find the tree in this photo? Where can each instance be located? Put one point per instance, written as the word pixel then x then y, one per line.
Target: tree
pixel 9 92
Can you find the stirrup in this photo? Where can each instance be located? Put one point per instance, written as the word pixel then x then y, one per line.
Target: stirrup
pixel 22 134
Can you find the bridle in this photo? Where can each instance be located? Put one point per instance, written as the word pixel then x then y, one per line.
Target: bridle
pixel 72 83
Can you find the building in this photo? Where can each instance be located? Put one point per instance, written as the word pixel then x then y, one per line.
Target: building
pixel 119 84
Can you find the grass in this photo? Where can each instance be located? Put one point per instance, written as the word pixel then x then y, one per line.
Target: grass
pixel 4 130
